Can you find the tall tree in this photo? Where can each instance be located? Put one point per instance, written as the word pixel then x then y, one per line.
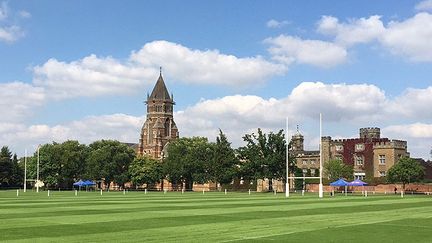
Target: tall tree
pixel 188 161
pixel 17 172
pixel 223 168
pixel 336 169
pixel 264 156
pixel 6 167
pixel 405 171
pixel 109 161
pixel 145 170
pixel 60 163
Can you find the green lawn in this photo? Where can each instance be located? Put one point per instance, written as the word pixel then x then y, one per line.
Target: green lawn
pixel 212 217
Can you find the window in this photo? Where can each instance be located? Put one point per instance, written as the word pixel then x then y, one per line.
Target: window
pixel 312 171
pixel 382 159
pixel 382 173
pixel 304 172
pixel 359 175
pixel 359 160
pixel 359 147
pixel 339 148
pixel 304 162
pixel 312 161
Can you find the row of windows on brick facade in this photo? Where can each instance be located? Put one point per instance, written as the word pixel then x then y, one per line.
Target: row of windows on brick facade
pixel 305 162
pixel 358 147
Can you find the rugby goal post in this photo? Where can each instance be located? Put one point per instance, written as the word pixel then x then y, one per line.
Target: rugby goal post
pixel 320 188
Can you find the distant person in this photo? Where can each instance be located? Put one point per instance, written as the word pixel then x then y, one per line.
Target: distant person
pixel 395 190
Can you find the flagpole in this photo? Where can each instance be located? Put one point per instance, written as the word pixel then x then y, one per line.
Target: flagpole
pixel 25 170
pixel 321 160
pixel 37 173
pixel 287 160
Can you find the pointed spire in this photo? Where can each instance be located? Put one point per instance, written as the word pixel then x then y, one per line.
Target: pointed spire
pixel 160 91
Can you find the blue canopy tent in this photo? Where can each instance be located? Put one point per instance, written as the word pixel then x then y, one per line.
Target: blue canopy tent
pixel 79 183
pixel 82 183
pixel 89 183
pixel 340 182
pixel 357 182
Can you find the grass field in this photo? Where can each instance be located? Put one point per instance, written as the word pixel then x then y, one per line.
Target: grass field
pixel 212 217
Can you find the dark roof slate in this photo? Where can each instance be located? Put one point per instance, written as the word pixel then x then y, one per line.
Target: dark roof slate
pixel 160 91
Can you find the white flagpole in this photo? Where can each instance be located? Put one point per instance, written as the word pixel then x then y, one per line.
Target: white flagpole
pixel 287 160
pixel 25 170
pixel 321 160
pixel 37 173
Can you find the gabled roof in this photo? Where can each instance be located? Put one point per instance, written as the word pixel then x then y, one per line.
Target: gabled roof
pixel 160 91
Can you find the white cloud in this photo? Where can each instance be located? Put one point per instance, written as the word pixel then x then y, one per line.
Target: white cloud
pixel 415 130
pixel 9 30
pixel 95 76
pixel 272 23
pixel 424 5
pixel 338 102
pixel 361 30
pixel 289 49
pixel 410 38
pixel 237 115
pixel 10 34
pixel 413 103
pixel 205 67
pixel 121 127
pixel 418 135
pixel 351 105
pixel 91 76
pixel 18 100
pixel 4 9
pixel 24 14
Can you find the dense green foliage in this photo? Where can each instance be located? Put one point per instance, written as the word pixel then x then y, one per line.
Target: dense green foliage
pixel 224 165
pixel 405 171
pixel 212 217
pixel 145 170
pixel 336 169
pixel 264 156
pixel 109 161
pixel 10 172
pixel 188 161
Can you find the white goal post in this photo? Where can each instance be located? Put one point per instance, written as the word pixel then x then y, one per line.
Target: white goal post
pixel 320 191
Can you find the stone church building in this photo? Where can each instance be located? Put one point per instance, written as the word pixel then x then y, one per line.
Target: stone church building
pixel 159 128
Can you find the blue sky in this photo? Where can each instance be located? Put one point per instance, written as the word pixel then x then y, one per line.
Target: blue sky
pixel 81 70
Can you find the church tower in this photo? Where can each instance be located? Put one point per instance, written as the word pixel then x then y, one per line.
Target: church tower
pixel 159 128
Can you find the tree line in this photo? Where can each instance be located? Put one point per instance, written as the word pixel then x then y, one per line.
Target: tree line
pixel 187 161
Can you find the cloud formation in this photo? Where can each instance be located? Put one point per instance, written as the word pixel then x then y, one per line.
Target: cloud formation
pixel 108 75
pixel 18 100
pixel 240 114
pixel 424 5
pixel 272 23
pixel 291 49
pixel 409 38
pixel 10 31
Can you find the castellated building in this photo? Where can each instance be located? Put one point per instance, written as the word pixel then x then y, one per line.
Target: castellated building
pixel 369 154
pixel 159 128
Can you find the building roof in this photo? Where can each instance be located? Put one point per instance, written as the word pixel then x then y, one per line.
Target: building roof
pixel 160 91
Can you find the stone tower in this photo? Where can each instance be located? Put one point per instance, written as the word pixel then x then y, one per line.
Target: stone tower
pixel 159 128
pixel 370 133
pixel 297 141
